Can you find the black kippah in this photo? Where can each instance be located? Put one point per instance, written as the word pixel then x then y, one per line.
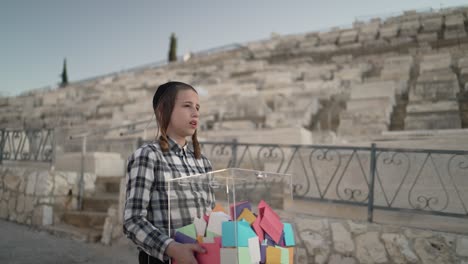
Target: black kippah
pixel 162 90
pixel 159 93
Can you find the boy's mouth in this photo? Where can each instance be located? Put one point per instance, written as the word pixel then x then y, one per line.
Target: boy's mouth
pixel 193 123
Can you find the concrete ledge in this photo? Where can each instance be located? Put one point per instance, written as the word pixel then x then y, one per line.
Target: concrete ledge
pixel 103 164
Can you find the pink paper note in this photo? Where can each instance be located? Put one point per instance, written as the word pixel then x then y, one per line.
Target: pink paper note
pixel 272 224
pixel 212 254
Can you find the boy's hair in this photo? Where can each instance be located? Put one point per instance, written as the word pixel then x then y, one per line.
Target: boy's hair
pixel 163 104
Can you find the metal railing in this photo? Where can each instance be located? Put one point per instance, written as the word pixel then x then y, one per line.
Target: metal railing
pixel 425 181
pixel 27 145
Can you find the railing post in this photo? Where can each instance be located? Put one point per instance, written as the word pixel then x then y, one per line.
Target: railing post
pixel 234 153
pixel 370 206
pixel 54 146
pixel 81 184
pixel 2 143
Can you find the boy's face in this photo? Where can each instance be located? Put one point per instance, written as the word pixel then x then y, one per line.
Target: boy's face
pixel 184 118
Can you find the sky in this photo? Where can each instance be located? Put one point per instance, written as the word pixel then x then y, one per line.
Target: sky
pixel 99 37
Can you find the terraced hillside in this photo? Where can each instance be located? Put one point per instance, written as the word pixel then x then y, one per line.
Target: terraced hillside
pixel 408 72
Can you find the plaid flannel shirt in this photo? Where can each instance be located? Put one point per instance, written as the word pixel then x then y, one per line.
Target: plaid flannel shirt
pixel 146 215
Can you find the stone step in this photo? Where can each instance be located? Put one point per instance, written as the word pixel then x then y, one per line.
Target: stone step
pixel 84 219
pixel 108 184
pixel 75 233
pixel 100 202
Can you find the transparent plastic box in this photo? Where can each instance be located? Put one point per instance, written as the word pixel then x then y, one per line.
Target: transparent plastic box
pixel 233 190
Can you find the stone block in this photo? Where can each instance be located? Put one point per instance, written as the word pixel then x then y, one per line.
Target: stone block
pixel 329 37
pixel 101 164
pixel 439 115
pixel 455 21
pixel 43 215
pixel 3 209
pixel 434 120
pixel 409 28
pixel 324 72
pixel 398 61
pixel 437 61
pixel 443 86
pixel 324 48
pixel 454 33
pixel 308 42
pixel 274 79
pixel 374 90
pixel 427 37
pixel 369 31
pixel 463 62
pixel 401 40
pixel 402 75
pixel 464 75
pixel 369 249
pixel 349 36
pixel 432 107
pixel 289 135
pixel 462 246
pixel 389 31
pixel 432 24
pixel 378 105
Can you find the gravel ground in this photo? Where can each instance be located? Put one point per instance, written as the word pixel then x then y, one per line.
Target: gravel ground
pixel 22 244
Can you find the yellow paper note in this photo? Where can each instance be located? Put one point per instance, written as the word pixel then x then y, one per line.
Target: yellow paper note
pixel 273 255
pixel 247 215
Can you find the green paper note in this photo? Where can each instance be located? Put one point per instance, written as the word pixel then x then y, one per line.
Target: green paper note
pixel 244 255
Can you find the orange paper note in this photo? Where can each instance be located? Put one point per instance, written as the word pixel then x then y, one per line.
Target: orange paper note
pixel 247 215
pixel 291 255
pixel 273 255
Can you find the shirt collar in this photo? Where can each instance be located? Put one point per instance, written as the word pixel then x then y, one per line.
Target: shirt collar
pixel 176 148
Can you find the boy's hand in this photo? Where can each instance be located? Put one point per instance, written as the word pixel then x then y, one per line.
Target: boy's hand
pixel 184 253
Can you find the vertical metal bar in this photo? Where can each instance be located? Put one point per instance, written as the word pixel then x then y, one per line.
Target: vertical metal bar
pixel 234 154
pixel 2 144
pixel 53 133
pixel 370 206
pixel 81 184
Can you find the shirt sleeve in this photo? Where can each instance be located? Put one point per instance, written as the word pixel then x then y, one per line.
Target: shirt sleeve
pixel 140 177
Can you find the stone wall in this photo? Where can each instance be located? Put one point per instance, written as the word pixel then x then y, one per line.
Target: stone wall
pixel 334 241
pixel 35 197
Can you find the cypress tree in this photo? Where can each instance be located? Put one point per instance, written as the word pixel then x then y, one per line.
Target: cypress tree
pixel 64 74
pixel 172 48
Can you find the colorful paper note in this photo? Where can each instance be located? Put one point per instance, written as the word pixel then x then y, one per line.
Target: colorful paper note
pixel 247 215
pixel 271 224
pixel 228 256
pixel 244 255
pixel 263 253
pixel 200 226
pixel 183 238
pixel 188 230
pixel 236 209
pixel 258 229
pixel 291 255
pixel 216 221
pixel 212 254
pixel 273 255
pixel 289 235
pixel 244 232
pixel 284 255
pixel 219 208
pixel 254 250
